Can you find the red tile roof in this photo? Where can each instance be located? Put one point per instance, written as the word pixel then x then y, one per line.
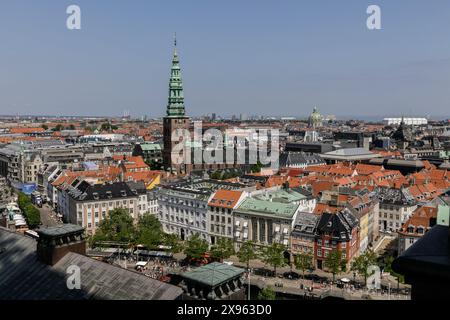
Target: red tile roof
pixel 225 198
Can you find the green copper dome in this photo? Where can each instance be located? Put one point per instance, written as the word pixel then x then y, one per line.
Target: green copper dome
pixel 315 119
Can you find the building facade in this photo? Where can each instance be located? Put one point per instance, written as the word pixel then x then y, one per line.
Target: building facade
pixel 221 211
pixel 336 231
pixel 396 206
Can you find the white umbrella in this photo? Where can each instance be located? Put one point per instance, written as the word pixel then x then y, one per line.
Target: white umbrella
pixel 345 280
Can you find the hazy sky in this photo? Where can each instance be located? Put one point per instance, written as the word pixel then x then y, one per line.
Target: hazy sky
pixel 253 57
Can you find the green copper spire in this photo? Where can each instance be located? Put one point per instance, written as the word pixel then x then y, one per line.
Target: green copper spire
pixel 175 108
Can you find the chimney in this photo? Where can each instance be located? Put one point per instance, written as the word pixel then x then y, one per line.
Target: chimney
pixel 55 242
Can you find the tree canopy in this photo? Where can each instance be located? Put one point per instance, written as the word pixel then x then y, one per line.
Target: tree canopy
pixel 267 294
pixel 304 261
pixel 31 213
pixel 274 255
pixel 334 263
pixel 361 264
pixel 149 231
pixel 195 247
pixel 247 252
pixel 223 249
pixel 116 226
pixel 174 242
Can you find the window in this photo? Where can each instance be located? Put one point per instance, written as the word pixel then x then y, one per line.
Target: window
pixel 319 252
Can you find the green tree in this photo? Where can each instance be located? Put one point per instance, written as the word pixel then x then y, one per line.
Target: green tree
pixel 334 263
pixel 174 242
pixel 33 216
pixel 155 165
pixel 23 200
pixel 70 127
pixel 256 168
pixel 117 226
pixel 247 252
pixel 223 249
pixel 304 261
pixel 195 247
pixel 58 127
pixel 106 126
pixel 361 264
pixel 44 126
pixel 216 175
pixel 149 231
pixel 388 268
pixel 274 255
pixel 267 294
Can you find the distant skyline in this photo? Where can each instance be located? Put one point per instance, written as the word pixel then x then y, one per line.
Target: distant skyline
pixel 271 58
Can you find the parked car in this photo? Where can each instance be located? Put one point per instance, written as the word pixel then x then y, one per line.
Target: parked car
pixel 291 275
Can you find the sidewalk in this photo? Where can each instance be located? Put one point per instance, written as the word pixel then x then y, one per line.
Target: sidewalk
pixel 258 264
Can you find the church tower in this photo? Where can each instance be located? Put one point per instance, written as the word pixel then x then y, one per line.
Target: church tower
pixel 175 117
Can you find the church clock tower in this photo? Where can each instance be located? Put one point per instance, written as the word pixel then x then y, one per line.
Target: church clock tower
pixel 175 117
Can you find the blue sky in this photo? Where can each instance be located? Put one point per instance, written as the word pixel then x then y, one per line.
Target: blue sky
pixel 253 57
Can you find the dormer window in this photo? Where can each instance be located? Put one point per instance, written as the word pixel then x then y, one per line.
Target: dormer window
pixel 95 195
pixel 123 193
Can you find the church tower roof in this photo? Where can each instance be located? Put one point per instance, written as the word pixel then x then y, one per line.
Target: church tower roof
pixel 175 107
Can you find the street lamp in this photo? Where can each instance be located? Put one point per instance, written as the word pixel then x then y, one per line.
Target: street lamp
pixel 248 284
pixel 389 292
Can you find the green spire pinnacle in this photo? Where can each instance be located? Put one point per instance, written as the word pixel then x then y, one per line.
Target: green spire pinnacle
pixel 175 107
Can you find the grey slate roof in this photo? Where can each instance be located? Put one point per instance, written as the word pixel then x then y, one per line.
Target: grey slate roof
pixel 395 196
pixel 24 277
pixel 305 223
pixel 289 159
pixel 106 191
pixel 339 225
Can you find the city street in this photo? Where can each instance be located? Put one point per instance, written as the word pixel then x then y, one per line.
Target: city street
pixel 48 216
